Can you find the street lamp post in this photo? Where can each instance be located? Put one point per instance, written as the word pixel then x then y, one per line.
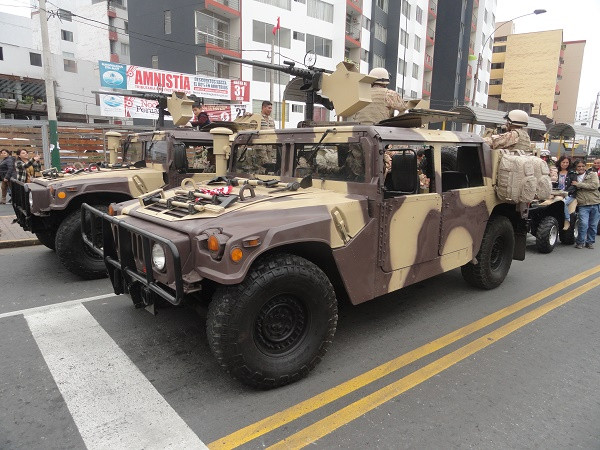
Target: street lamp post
pixel 480 57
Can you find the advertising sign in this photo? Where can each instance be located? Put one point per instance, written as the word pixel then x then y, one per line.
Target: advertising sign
pixel 144 79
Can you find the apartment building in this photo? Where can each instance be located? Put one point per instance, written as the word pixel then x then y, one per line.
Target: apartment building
pixel 538 68
pixel 464 43
pixel 80 32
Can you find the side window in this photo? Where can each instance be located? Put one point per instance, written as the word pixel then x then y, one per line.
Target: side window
pixel 157 152
pixel 200 157
pixel 134 152
pixel 461 167
pixel 258 159
pixel 342 162
pixel 425 166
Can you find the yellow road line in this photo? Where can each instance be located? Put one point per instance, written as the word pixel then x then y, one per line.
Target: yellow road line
pixel 292 413
pixel 355 410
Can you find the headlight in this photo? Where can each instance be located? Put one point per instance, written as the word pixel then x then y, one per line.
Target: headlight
pixel 158 257
pixel 30 198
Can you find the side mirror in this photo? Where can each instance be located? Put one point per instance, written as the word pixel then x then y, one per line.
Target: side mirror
pixel 180 158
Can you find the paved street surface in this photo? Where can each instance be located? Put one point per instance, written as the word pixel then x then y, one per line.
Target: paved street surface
pixel 437 365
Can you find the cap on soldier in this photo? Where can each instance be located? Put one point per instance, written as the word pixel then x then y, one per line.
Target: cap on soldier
pixel 382 75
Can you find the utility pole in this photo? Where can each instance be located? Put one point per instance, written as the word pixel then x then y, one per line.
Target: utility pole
pixel 49 81
pixel 592 124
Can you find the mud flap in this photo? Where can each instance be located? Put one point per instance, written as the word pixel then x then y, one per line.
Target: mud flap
pixel 520 242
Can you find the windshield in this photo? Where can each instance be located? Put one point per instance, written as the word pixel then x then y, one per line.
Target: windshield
pixel 199 155
pixel 344 162
pixel 263 159
pixel 134 152
pixel 157 152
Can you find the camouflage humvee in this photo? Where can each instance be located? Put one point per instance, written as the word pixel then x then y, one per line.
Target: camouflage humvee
pixel 306 217
pixel 49 206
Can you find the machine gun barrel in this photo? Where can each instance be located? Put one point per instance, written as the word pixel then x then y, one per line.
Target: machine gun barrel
pixel 288 68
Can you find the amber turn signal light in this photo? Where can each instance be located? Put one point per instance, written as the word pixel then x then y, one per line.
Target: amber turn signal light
pixel 213 243
pixel 236 254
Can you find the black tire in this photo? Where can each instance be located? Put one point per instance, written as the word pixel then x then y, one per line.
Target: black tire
pixel 494 257
pixel 274 327
pixel 567 237
pixel 449 159
pixel 72 252
pixel 47 238
pixel 547 234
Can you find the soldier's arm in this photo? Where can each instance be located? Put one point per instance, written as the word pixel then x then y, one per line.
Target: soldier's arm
pixel 394 101
pixel 505 139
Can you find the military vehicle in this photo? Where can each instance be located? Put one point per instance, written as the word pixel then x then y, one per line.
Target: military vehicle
pixel 307 217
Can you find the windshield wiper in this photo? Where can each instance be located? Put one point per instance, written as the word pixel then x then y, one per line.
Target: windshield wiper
pixel 245 148
pixel 315 149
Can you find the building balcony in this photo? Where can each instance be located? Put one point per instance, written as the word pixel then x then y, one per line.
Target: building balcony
pixel 353 35
pixel 351 61
pixel 428 63
pixel 559 73
pixel 471 48
pixel 469 72
pixel 432 10
pixel 557 90
pixel 218 43
pixel 354 5
pixel 426 88
pixel 555 106
pixel 110 12
pixel 114 57
pixel 473 23
pixel 224 8
pixel 430 36
pixel 112 35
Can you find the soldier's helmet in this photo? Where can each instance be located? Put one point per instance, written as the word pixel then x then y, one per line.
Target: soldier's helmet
pixel 382 75
pixel 517 118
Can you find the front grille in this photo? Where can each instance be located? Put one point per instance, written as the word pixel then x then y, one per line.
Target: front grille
pixel 20 202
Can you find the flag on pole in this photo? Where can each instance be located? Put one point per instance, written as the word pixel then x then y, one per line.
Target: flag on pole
pixel 276 27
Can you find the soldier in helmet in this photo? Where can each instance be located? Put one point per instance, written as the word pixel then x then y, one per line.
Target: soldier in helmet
pixel 515 138
pixel 384 101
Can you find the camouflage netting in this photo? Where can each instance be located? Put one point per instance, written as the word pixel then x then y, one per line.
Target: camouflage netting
pixel 522 179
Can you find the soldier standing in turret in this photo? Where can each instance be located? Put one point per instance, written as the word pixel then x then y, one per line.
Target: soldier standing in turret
pixel 384 101
pixel 515 138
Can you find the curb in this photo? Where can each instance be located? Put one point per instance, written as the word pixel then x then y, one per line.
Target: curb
pixel 15 243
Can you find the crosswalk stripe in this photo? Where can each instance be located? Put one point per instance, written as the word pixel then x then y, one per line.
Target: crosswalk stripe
pixel 38 309
pixel 113 404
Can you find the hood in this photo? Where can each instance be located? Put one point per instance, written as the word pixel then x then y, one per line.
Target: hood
pixel 85 177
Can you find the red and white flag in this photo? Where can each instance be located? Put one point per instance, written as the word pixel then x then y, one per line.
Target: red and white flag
pixel 276 27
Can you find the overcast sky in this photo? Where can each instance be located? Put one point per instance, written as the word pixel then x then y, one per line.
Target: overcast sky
pixel 577 18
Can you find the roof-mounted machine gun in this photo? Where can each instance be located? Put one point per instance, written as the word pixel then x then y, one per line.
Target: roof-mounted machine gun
pixel 344 89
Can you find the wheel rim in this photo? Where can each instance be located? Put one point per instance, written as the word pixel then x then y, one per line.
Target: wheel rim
pixel 553 235
pixel 280 325
pixel 497 253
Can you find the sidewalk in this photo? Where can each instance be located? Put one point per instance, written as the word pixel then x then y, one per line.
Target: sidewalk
pixel 11 234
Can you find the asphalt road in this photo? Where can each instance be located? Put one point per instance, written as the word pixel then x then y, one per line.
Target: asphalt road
pixel 437 365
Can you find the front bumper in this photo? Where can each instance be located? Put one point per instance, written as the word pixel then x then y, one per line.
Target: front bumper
pixel 126 250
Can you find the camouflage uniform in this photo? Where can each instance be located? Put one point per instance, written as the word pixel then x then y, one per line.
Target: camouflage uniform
pixel 201 159
pixel 516 139
pixel 383 103
pixel 256 158
pixel 266 122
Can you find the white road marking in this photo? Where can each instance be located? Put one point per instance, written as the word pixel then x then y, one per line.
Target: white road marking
pixel 111 401
pixel 55 305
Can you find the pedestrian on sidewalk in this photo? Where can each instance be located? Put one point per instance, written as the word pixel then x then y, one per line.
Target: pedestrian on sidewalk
pixel 7 165
pixel 588 201
pixel 22 163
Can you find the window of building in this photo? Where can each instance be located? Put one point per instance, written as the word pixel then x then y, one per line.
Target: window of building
pixel 495 81
pixel 498 65
pixel 167 22
pixel 401 67
pixel 403 38
pixel 485 15
pixel 276 114
pixel 366 23
pixel 378 60
pixel 263 32
pixel 113 47
pixel 124 49
pixel 155 62
pixel 364 55
pixel 298 108
pixel 126 27
pixel 380 32
pixel 487 85
pixel 406 9
pixel 35 59
pixel 1 54
pixel 415 71
pixel 489 66
pixel 400 91
pixel 319 45
pixel 66 35
pixel 320 10
pixel 417 43
pixel 70 65
pixel 478 85
pixel 261 74
pixel 500 39
pixel 65 15
pixel 493 20
pixel 301 1
pixel 499 49
pixel 419 15
pixel 382 4
pixel 299 36
pixel 283 4
pixel 482 38
pixel 413 94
